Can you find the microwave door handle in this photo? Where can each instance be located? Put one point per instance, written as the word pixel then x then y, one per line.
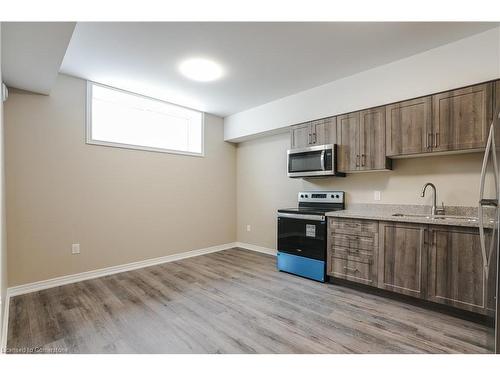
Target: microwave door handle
pixel 323 167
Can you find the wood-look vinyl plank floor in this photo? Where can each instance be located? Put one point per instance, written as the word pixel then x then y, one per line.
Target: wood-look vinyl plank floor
pixel 233 301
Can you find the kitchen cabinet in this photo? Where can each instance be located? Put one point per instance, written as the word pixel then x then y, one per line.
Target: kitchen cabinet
pixel 372 140
pixel 451 121
pixel 348 142
pixel 313 133
pixel 352 250
pixel 461 118
pixel 439 263
pixel 362 141
pixel 456 274
pixel 402 258
pixel 300 136
pixel 408 127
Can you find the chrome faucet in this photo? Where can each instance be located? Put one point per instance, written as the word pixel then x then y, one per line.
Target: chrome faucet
pixel 434 209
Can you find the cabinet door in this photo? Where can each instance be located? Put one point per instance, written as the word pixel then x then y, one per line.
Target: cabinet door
pixel 349 157
pixel 330 126
pixel 402 258
pixel 372 139
pixel 456 274
pixel 408 127
pixel 300 136
pixel 461 118
pixel 318 133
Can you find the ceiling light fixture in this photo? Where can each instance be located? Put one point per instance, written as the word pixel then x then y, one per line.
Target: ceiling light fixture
pixel 201 70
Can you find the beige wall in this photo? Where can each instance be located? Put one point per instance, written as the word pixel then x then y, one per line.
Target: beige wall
pixel 3 237
pixel 263 187
pixel 120 205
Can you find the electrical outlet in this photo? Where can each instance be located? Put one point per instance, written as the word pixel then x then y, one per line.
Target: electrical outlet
pixel 376 195
pixel 249 228
pixel 75 248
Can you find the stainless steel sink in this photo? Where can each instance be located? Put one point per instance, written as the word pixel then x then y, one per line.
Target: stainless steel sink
pixel 438 217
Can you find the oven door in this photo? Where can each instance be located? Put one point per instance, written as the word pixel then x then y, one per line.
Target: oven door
pixel 311 161
pixel 302 235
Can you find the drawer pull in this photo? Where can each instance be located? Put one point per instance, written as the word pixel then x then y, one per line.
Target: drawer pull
pixel 351 225
pixel 351 269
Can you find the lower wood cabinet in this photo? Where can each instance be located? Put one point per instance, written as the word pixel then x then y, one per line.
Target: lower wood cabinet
pixel 438 263
pixel 353 250
pixel 456 270
pixel 402 258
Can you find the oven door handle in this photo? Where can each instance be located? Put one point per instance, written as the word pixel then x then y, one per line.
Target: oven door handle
pixel 301 216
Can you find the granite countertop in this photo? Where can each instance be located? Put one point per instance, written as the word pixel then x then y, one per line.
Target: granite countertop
pixel 464 216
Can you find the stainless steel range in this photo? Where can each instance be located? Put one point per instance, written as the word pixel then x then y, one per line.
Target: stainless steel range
pixel 302 233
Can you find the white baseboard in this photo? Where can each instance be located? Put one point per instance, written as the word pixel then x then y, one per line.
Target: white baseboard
pixel 5 324
pixel 256 248
pixel 69 279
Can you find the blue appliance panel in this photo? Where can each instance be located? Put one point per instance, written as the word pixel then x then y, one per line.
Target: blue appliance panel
pixel 306 267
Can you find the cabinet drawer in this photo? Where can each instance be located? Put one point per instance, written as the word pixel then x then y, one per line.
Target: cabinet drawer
pixel 350 253
pixel 352 226
pixel 354 241
pixel 353 270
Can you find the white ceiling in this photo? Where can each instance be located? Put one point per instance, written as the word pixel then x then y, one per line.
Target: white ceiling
pixel 263 61
pixel 32 53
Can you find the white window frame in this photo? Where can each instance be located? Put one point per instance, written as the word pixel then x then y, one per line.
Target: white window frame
pixel 88 125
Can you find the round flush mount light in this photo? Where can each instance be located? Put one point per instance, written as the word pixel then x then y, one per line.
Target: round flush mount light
pixel 202 70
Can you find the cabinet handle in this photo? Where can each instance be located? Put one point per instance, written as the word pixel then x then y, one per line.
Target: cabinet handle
pixel 351 269
pixel 429 141
pixel 436 140
pixel 363 160
pixel 315 138
pixel 357 161
pixel 310 139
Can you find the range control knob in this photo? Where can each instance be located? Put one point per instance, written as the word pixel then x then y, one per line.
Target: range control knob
pixel 305 195
pixel 338 196
pixel 332 196
pixel 302 195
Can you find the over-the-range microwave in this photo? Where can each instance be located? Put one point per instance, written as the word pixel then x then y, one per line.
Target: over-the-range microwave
pixel 313 161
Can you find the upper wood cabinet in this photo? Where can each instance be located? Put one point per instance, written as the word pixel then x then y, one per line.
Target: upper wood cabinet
pixel 300 136
pixel 461 118
pixel 408 127
pixel 402 259
pixel 372 140
pixel 318 132
pixel 348 142
pixel 362 141
pixel 456 120
pixel 456 274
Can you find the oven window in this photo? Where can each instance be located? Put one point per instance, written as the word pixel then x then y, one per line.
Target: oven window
pixel 305 162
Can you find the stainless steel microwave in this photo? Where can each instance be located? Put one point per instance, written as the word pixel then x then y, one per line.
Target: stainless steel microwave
pixel 314 161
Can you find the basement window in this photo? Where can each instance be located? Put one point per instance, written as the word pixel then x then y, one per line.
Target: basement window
pixel 123 119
